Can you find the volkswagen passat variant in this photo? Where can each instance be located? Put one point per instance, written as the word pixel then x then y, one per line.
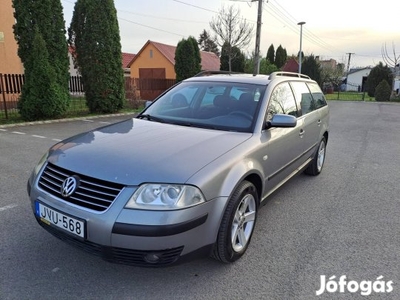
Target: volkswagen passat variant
pixel 187 175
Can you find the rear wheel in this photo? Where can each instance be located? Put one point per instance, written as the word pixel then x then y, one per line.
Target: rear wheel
pixel 315 167
pixel 237 224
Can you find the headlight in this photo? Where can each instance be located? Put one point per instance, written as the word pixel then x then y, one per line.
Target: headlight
pixel 165 197
pixel 40 164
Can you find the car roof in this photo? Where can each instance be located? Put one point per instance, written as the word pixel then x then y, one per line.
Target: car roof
pixel 223 76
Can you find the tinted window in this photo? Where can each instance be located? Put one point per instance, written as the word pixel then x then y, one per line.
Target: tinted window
pixel 317 94
pixel 282 101
pixel 303 96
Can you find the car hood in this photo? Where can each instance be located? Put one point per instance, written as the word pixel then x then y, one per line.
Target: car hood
pixel 137 151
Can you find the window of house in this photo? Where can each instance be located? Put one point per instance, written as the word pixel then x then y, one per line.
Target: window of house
pixel 151 53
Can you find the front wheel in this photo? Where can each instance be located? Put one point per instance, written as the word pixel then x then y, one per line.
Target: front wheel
pixel 237 224
pixel 315 167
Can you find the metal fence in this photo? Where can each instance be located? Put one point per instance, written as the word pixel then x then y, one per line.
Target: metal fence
pixel 135 91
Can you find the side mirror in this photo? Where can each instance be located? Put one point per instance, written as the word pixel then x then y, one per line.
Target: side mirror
pixel 281 120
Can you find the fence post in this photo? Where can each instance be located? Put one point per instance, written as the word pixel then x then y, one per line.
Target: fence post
pixel 4 95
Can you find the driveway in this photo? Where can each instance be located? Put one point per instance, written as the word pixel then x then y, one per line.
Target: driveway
pixel 343 222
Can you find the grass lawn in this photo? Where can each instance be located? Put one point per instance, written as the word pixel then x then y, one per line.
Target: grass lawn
pixel 77 108
pixel 349 96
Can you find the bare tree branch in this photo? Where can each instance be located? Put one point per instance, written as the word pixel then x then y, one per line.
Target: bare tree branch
pixel 389 61
pixel 231 29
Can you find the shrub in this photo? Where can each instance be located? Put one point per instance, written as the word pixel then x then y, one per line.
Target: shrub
pixel 42 97
pixel 383 91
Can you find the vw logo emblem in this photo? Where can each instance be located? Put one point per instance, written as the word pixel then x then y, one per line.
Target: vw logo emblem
pixel 69 186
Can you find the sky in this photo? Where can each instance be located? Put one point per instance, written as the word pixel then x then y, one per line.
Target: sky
pixel 332 29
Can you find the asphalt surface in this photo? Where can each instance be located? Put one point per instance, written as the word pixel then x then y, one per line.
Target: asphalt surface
pixel 343 222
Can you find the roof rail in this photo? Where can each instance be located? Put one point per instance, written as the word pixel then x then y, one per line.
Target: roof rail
pixel 208 73
pixel 288 74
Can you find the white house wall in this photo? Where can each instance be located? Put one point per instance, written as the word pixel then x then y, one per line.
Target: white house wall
pixel 355 79
pixel 72 70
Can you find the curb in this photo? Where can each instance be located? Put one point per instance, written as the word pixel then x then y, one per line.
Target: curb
pixel 65 120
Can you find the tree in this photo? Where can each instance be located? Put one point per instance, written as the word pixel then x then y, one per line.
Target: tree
pixel 187 57
pixel 332 75
pixel 197 55
pixel 237 63
pixel 94 34
pixel 377 74
pixel 312 68
pixel 271 54
pixel 231 30
pixel 390 61
pixel 42 96
pixel 280 57
pixel 46 18
pixel 383 91
pixel 207 43
pixel 265 66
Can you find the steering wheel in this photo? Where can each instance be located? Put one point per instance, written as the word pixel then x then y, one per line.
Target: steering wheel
pixel 242 114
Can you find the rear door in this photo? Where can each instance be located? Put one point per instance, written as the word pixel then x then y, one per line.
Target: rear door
pixel 309 115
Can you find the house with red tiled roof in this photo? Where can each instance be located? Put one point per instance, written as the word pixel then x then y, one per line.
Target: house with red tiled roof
pixel 291 65
pixel 155 62
pixel 126 59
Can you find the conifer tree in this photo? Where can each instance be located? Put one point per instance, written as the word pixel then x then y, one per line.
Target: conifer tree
pixel 187 58
pixel 45 18
pixel 271 54
pixel 41 94
pixel 94 34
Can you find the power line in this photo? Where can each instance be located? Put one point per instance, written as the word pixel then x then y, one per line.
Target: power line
pixel 195 6
pixel 154 28
pixel 158 17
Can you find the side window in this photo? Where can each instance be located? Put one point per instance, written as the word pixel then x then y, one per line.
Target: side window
pixel 282 101
pixel 303 96
pixel 317 94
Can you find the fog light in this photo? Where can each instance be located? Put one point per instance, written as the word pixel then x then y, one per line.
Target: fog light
pixel 152 258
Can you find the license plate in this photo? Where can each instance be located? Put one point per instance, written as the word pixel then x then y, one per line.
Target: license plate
pixel 53 217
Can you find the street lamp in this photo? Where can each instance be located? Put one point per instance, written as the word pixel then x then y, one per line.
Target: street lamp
pixel 301 39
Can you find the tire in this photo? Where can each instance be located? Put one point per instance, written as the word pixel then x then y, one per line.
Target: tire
pixel 316 165
pixel 237 224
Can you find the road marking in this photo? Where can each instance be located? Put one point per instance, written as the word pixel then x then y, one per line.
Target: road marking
pixel 1 129
pixel 105 122
pixel 39 136
pixel 17 132
pixel 91 121
pixel 56 140
pixel 8 207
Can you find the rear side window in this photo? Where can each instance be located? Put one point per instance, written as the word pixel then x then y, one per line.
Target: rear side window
pixel 282 101
pixel 303 96
pixel 317 94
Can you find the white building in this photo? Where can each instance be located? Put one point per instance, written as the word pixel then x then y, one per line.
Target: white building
pixel 356 79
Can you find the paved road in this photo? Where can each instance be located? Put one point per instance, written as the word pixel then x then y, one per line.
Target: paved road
pixel 343 222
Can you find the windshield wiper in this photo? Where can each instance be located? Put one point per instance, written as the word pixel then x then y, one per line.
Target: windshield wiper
pixel 151 118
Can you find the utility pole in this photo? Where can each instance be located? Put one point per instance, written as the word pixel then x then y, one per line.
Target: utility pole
pixel 301 44
pixel 258 36
pixel 348 62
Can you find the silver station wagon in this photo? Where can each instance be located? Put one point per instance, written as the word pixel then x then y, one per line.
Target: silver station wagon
pixel 186 176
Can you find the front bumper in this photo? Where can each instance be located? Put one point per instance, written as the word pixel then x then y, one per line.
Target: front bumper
pixel 138 237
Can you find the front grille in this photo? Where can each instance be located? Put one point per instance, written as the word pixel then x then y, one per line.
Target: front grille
pixel 91 193
pixel 118 255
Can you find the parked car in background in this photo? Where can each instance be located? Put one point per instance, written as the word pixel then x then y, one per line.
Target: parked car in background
pixel 187 176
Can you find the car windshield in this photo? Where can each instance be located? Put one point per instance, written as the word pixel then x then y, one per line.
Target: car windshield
pixel 215 105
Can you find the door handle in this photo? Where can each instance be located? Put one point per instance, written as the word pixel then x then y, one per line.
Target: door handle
pixel 301 133
pixel 319 123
